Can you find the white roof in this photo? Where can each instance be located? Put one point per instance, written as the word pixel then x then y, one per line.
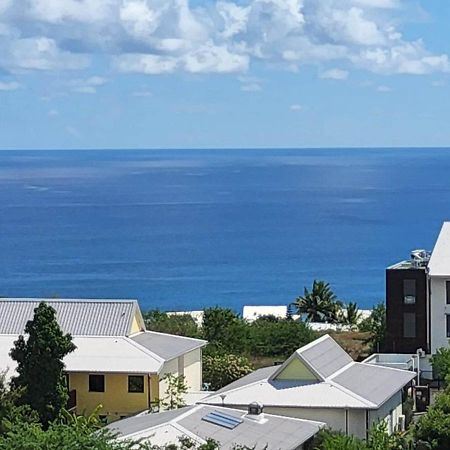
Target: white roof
pixel 251 313
pixel 439 265
pixel 268 432
pixel 96 354
pixel 340 382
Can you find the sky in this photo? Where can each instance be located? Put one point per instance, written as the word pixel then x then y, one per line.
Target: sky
pixel 224 74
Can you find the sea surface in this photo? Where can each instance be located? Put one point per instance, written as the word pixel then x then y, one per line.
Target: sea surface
pixel 186 229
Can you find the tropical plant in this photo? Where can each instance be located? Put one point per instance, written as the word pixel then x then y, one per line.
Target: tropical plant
pixel 222 369
pixel 40 366
pixel 441 364
pixel 319 304
pixel 179 324
pixel 175 389
pixel 350 315
pixel 225 330
pixel 375 324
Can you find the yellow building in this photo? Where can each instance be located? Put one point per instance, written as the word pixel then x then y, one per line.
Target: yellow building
pixel 118 363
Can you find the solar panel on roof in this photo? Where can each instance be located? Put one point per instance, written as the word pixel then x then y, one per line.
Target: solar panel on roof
pixel 223 420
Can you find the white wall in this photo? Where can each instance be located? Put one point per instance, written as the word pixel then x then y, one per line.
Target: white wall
pixel 439 309
pixel 389 412
pixel 193 370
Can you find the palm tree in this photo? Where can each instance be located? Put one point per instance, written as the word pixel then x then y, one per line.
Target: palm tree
pixel 350 315
pixel 318 305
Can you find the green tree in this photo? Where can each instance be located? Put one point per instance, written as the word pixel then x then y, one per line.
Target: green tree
pixel 179 324
pixel 375 324
pixel 274 337
pixel 318 305
pixel 441 364
pixel 222 369
pixel 225 330
pixel 39 364
pixel 433 428
pixel 350 315
pixel 175 390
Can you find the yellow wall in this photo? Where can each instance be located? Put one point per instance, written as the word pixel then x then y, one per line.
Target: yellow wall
pixel 296 370
pixel 116 400
pixel 135 327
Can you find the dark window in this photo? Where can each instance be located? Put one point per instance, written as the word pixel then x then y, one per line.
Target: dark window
pixel 448 325
pixel 135 383
pixel 96 383
pixel 447 287
pixel 409 291
pixel 409 325
pixel 103 419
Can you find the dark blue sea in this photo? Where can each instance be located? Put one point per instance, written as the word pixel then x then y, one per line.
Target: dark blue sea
pixel 185 229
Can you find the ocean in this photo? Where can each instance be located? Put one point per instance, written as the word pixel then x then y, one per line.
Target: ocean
pixel 187 229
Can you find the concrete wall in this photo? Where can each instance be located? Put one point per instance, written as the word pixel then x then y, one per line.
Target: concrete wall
pixel 439 309
pixel 388 412
pixel 189 365
pixel 116 401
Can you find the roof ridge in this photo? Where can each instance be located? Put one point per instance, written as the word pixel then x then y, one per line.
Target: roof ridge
pixel 351 393
pixel 172 335
pixel 143 349
pixel 81 300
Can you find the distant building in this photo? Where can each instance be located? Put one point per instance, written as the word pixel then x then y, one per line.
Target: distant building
pixel 320 381
pixel 117 362
pixel 407 321
pixel 228 427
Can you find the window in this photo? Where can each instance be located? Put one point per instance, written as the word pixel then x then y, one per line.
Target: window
pixel 409 291
pixel 448 325
pixel 135 383
pixel 447 288
pixel 96 383
pixel 409 325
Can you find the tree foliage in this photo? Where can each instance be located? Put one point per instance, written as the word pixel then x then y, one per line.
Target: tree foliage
pixel 222 369
pixel 375 324
pixel 441 364
pixel 40 378
pixel 175 389
pixel 319 304
pixel 178 324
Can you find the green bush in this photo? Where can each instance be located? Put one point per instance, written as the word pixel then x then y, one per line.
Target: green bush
pixel 179 324
pixel 222 369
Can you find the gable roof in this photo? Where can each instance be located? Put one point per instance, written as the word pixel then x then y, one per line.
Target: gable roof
pixel 167 346
pixel 273 432
pixel 338 384
pixel 103 354
pixel 439 264
pixel 79 317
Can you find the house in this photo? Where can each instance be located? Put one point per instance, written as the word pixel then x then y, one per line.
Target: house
pixel 407 321
pixel 226 426
pixel 117 362
pixel 320 381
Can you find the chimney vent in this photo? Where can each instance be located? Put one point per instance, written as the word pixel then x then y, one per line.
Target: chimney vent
pixel 255 409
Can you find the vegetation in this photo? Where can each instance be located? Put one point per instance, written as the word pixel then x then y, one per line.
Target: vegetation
pixel 375 324
pixel 441 364
pixel 40 382
pixel 179 324
pixel 174 394
pixel 222 369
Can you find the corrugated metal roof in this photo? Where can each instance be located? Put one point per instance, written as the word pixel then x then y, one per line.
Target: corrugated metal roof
pixel 167 346
pixel 325 356
pixel 80 317
pixel 96 354
pixel 273 433
pixel 374 383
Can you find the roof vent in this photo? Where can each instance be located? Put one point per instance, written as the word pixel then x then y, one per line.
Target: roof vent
pixel 420 258
pixel 255 409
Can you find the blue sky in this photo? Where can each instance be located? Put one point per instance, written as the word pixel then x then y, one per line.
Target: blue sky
pixel 230 73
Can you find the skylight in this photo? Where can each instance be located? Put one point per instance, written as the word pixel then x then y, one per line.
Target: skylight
pixel 223 420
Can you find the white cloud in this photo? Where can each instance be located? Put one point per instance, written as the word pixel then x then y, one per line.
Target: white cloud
pixel 53 113
pixel 296 107
pixel 142 93
pixel 383 88
pixel 9 85
pixel 335 74
pixel 217 36
pixel 87 85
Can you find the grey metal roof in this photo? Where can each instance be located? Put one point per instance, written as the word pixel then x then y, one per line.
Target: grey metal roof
pixel 80 317
pixel 253 377
pixel 274 433
pixel 134 424
pixel 167 346
pixel 374 383
pixel 325 356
